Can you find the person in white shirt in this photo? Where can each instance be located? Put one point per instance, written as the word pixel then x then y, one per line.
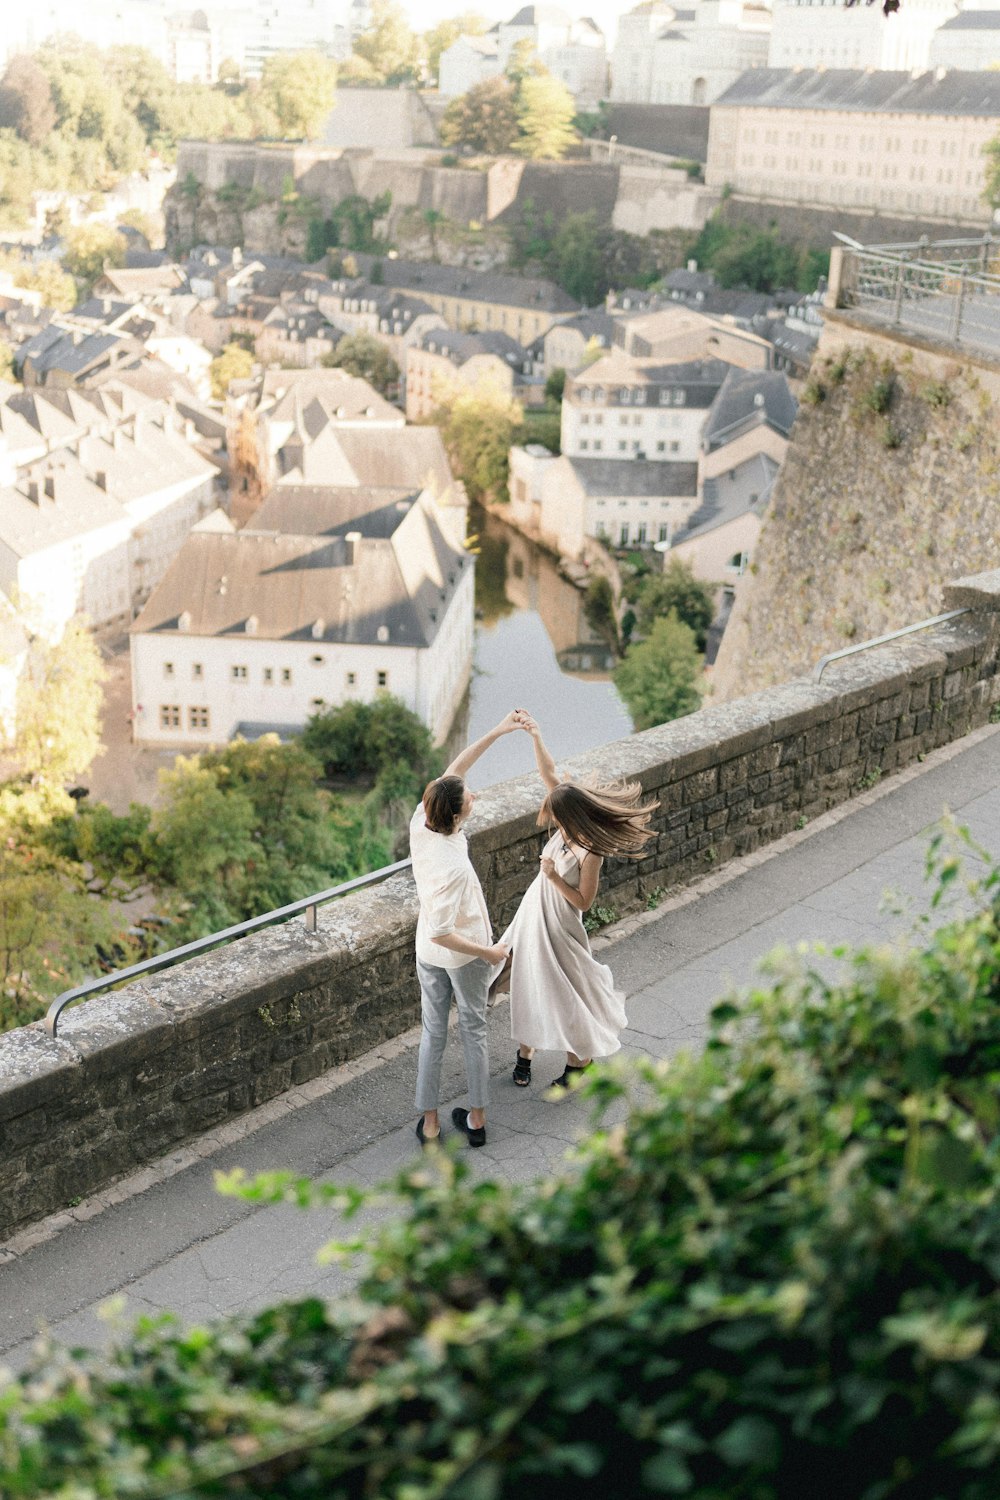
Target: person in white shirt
pixel 456 954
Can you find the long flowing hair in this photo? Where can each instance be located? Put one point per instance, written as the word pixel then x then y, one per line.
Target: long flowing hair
pixel 604 820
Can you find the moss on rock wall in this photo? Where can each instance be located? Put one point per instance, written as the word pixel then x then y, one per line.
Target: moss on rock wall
pixel 890 488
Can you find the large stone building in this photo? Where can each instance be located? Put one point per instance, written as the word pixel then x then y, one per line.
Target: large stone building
pixel 869 142
pixel 335 596
pixel 686 54
pixel 969 40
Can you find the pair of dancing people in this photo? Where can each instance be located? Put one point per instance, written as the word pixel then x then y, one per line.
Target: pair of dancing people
pixel 561 998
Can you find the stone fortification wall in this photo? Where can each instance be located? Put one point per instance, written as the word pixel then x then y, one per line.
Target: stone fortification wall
pixel 133 1073
pixel 891 482
pixel 641 199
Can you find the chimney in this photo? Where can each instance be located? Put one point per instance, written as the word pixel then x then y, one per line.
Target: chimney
pixel 318 629
pixel 237 255
pixel 189 430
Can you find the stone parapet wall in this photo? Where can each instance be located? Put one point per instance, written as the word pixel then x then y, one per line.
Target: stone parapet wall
pixel 134 1073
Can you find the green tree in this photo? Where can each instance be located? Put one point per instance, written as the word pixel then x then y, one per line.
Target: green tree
pixel 18 178
pixel 50 926
pixel 55 286
pixel 677 589
pixel 578 258
pixel 545 111
pixel 234 363
pixel 657 680
pixel 478 427
pixel 299 88
pixel 59 698
pixel 601 612
pixel 93 248
pixel 6 362
pixel 382 741
pixel 555 385
pixel 388 47
pixel 991 181
pixel 26 100
pixel 445 33
pixel 364 355
pixel 484 119
pixel 246 829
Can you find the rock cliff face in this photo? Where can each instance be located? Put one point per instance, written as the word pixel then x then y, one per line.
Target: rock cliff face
pixel 891 484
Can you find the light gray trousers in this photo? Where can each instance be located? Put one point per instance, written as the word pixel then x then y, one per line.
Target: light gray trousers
pixel 470 985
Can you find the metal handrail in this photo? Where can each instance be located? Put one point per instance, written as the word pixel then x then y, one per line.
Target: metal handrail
pixel 307 904
pixel 881 640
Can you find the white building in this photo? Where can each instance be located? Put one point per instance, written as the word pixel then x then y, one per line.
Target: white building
pixel 97 494
pixel 575 52
pixel 468 61
pixel 565 501
pixel 623 408
pixel 353 596
pixel 970 40
pixel 826 34
pixel 667 54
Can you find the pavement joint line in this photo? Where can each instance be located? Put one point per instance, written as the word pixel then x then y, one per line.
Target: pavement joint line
pixel 233 1131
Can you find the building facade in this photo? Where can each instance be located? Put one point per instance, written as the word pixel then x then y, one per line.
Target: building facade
pixel 869 142
pixel 262 629
pixel 826 34
pixel 686 54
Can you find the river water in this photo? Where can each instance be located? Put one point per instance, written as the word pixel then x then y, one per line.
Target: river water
pixel 534 650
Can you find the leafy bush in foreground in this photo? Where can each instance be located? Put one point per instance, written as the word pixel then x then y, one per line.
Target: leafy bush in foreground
pixel 779 1278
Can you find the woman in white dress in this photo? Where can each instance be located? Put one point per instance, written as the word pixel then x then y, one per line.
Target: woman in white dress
pixel 561 998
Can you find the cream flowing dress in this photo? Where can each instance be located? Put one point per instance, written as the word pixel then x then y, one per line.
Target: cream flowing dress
pixel 561 998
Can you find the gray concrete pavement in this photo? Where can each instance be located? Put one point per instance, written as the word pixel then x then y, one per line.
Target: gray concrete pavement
pixel 176 1244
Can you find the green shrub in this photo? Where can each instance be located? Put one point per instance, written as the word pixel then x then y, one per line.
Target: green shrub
pixel 936 393
pixel 776 1279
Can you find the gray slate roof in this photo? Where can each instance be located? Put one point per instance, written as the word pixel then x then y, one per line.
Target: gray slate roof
pixel 973 20
pixel 325 510
pixel 311 588
pixel 609 476
pixel 726 498
pixel 749 397
pixel 422 277
pixel 956 93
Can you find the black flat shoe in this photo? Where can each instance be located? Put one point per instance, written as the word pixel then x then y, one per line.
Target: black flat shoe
pixel 522 1071
pixel 474 1134
pixel 427 1142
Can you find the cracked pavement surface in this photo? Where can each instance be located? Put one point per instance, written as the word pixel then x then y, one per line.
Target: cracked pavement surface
pixel 178 1245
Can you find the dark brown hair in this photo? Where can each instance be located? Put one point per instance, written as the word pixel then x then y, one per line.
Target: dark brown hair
pixel 604 820
pixel 443 800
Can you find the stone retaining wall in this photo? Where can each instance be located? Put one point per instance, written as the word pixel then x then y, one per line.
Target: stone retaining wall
pixel 133 1073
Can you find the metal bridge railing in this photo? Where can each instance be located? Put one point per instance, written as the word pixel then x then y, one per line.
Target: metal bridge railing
pixel 947 290
pixel 308 905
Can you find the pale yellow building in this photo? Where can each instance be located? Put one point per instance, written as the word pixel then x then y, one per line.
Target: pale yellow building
pixel 884 142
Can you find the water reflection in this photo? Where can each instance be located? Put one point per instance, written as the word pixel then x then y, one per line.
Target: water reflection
pixel 535 648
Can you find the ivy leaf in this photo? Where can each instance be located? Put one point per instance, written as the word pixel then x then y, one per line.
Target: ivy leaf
pixel 749 1442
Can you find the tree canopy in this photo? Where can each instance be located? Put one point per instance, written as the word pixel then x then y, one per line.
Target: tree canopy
pixel 484 119
pixel 991 184
pixel 234 363
pixel 91 249
pixel 59 699
pixel 478 426
pixel 364 355
pixel 299 88
pixel 26 105
pixel 545 112
pixel 677 589
pixel 657 680
pixel 388 49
